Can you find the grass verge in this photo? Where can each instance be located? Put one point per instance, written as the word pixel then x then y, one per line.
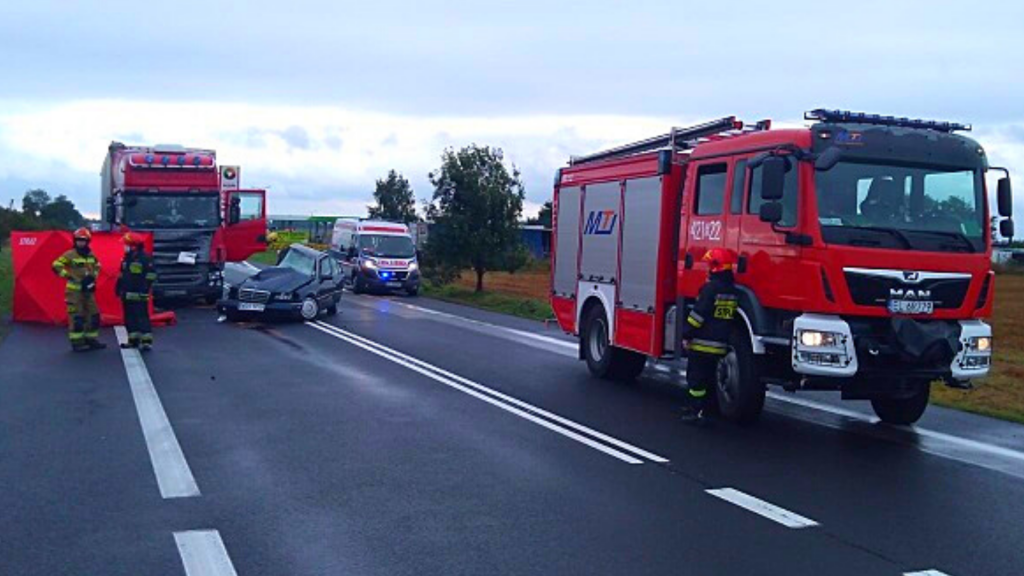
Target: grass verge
pixel 268 257
pixel 512 304
pixel 6 290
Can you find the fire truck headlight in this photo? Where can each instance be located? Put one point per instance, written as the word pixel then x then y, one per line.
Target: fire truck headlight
pixel 818 339
pixel 980 344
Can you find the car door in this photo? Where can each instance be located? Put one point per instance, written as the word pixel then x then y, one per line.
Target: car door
pixel 325 285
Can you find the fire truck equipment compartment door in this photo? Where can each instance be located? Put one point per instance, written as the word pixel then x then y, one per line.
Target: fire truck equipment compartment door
pixel 641 229
pixel 600 232
pixel 567 242
pixel 249 235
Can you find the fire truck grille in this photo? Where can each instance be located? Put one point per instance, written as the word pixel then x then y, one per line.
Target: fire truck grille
pixel 256 296
pixel 870 290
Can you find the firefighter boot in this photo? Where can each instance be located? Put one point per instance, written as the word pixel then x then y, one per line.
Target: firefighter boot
pixel 693 408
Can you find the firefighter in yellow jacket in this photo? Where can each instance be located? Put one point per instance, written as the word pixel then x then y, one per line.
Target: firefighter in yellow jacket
pixel 80 267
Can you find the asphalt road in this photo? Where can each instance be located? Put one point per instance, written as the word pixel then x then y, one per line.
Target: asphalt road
pixel 406 436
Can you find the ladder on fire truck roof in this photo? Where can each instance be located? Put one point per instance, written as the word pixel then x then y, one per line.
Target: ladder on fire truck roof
pixel 678 139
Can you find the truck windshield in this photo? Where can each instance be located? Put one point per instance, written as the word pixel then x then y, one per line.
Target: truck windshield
pixel 387 246
pixel 147 211
pixel 902 207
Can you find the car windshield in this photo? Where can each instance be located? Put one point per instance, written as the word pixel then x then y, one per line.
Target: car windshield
pixel 147 211
pixel 913 208
pixel 387 246
pixel 300 262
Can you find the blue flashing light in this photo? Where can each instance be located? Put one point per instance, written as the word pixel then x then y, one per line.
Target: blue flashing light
pixel 165 159
pixel 196 160
pixel 181 160
pixel 837 116
pixel 149 158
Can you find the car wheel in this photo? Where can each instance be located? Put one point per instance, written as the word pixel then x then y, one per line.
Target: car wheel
pixel 413 291
pixel 357 286
pixel 906 410
pixel 310 309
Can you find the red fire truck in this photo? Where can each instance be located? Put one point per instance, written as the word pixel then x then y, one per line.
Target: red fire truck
pixel 175 193
pixel 864 252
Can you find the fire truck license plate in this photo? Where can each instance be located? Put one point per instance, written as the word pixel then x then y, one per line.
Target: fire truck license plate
pixel 250 307
pixel 911 307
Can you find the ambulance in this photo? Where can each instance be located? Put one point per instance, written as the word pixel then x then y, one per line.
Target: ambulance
pixel 376 256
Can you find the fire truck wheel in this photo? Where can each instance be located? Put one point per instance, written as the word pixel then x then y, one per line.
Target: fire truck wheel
pixel 738 389
pixel 604 360
pixel 903 410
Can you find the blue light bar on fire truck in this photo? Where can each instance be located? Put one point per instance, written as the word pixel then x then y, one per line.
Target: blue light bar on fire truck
pixel 837 116
pixel 200 161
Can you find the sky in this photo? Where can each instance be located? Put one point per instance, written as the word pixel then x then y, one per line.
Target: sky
pixel 318 99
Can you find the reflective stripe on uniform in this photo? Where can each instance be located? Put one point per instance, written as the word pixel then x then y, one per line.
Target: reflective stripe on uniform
pixel 73 286
pixel 136 296
pixel 697 393
pixel 151 276
pixel 146 338
pixel 92 334
pixel 135 268
pixel 76 335
pixel 693 321
pixel 709 347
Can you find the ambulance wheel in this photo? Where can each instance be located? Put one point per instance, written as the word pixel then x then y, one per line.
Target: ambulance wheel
pixel 357 286
pixel 310 309
pixel 604 360
pixel 905 410
pixel 739 392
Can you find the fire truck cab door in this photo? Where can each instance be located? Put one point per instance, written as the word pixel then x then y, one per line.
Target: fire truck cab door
pixel 705 214
pixel 245 218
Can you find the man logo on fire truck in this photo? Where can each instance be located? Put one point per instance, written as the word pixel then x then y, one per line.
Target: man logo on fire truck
pixel 601 222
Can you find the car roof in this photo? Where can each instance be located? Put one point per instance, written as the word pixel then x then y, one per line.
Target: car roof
pixel 306 249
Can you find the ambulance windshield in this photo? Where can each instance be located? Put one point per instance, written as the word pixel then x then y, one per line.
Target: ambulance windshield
pixel 907 207
pixel 383 246
pixel 150 211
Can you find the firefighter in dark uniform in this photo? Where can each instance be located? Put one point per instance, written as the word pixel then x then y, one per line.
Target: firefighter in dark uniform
pixel 80 268
pixel 707 328
pixel 134 286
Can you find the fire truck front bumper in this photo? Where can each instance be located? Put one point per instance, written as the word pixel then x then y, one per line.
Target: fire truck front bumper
pixel 863 349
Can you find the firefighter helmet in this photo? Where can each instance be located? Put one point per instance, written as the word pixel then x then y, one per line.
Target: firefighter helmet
pixel 720 259
pixel 132 239
pixel 83 234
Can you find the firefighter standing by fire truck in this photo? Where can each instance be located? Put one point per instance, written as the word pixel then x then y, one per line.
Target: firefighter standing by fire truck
pixel 707 328
pixel 134 286
pixel 80 268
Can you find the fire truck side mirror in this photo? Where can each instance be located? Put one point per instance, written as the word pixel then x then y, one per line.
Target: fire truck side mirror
pixel 1006 229
pixel 773 174
pixel 110 211
pixel 1004 196
pixel 771 212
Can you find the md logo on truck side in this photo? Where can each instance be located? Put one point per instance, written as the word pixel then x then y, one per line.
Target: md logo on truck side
pixel 600 222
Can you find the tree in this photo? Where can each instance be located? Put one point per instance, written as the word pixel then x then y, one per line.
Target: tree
pixel 61 213
pixel 394 200
pixel 475 208
pixel 34 202
pixel 543 216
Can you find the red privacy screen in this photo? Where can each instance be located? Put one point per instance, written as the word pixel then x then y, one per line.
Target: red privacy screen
pixel 39 293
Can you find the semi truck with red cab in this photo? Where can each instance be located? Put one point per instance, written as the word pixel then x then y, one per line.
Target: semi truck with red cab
pixel 863 244
pixel 175 193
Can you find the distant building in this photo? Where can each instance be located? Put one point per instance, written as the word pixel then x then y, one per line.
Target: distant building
pixel 537 240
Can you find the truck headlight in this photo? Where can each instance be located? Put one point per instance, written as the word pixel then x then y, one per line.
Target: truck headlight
pixel 979 344
pixel 819 339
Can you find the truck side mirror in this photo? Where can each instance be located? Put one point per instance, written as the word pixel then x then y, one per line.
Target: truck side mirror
pixel 1004 196
pixel 1006 229
pixel 110 211
pixel 235 211
pixel 828 159
pixel 771 212
pixel 773 174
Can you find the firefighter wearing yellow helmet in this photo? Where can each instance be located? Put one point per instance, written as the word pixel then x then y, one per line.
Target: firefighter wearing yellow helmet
pixel 134 285
pixel 80 268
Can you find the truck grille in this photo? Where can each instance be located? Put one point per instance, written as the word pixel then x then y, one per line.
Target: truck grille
pixel 256 296
pixel 875 289
pixel 175 276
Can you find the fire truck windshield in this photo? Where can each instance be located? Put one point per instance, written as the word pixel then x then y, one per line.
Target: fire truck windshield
pixel 146 211
pixel 387 246
pixel 902 207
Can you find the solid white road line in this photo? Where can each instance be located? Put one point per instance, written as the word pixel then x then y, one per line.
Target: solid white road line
pixel 172 472
pixel 203 554
pixel 926 573
pixel 510 399
pixel 433 373
pixel 762 508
